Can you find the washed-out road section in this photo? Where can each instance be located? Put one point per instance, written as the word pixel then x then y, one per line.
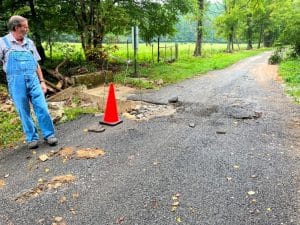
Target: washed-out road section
pixel 229 155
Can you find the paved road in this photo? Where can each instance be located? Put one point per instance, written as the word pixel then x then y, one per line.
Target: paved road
pixel 228 156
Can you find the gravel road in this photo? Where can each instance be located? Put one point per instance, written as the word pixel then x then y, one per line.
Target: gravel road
pixel 229 155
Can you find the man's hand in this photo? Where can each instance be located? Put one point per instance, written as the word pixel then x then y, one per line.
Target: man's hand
pixel 44 87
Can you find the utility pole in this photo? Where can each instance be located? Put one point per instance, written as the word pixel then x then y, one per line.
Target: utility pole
pixel 135 47
pixel 158 53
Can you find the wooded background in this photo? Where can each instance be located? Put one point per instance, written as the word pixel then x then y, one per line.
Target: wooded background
pixel 93 22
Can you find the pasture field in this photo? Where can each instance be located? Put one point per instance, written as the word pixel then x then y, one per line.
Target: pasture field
pixel 145 53
pixel 184 68
pixel 167 70
pixel 149 53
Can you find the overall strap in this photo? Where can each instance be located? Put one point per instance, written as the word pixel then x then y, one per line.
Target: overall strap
pixel 27 44
pixel 8 45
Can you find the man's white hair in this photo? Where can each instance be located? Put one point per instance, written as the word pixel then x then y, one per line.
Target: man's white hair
pixel 15 21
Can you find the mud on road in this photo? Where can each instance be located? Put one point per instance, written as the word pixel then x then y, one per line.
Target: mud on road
pixel 228 154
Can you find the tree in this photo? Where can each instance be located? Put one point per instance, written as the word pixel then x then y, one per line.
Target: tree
pixel 285 18
pixel 93 19
pixel 41 15
pixel 227 23
pixel 96 18
pixel 3 17
pixel 200 13
pixel 158 19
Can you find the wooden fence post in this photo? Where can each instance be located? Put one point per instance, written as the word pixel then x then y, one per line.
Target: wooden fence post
pixel 152 46
pixel 176 51
pixel 158 53
pixel 165 52
pixel 127 50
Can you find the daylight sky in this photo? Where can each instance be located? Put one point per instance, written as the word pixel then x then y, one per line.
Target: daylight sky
pixel 214 1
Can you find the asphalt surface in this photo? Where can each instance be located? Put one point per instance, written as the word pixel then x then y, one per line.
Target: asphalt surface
pixel 228 156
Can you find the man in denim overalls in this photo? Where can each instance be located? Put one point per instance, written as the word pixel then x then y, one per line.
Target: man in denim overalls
pixel 25 81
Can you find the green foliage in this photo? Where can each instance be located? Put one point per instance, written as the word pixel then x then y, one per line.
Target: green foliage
pixel 73 113
pixel 61 50
pixel 138 82
pixel 100 55
pixel 185 67
pixel 290 72
pixel 282 54
pixel 10 129
pixel 156 19
pixel 276 57
pixel 285 22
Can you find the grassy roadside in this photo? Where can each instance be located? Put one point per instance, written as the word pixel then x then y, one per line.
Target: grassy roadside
pixel 290 72
pixel 10 129
pixel 182 69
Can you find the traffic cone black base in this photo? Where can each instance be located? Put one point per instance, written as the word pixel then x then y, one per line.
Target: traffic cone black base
pixel 111 124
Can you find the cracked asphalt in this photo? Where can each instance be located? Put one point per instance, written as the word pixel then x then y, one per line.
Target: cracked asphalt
pixel 229 155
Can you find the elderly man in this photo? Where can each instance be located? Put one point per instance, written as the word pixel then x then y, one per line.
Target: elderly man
pixel 25 81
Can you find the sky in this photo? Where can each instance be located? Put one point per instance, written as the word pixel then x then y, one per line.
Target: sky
pixel 214 1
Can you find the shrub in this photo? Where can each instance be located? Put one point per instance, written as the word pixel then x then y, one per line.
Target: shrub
pixel 276 57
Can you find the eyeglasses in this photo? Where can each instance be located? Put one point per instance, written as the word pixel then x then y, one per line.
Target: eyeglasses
pixel 24 26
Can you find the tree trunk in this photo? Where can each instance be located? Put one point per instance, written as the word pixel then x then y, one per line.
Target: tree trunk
pixel 3 27
pixel 260 35
pixel 65 81
pixel 83 23
pixel 198 47
pixel 268 39
pixel 228 44
pixel 297 48
pixel 36 34
pixel 89 24
pixel 249 32
pixel 230 40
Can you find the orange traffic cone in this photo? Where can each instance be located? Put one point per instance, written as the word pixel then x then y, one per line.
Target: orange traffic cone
pixel 111 116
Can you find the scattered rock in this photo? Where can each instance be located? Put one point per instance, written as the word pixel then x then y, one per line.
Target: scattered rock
pixel 192 125
pixel 56 110
pixel 56 105
pixel 221 132
pixel 159 82
pixel 97 128
pixel 173 99
pixel 238 112
pixel 147 111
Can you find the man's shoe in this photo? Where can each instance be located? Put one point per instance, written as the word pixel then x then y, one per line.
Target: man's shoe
pixel 33 145
pixel 52 141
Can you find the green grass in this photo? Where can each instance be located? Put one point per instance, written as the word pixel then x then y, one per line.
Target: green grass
pixel 146 53
pixel 62 50
pixel 73 113
pixel 290 72
pixel 10 129
pixel 183 68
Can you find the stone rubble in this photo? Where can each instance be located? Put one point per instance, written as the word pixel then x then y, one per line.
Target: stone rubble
pixel 146 111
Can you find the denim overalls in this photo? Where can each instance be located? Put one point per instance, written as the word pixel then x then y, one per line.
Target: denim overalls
pixel 25 88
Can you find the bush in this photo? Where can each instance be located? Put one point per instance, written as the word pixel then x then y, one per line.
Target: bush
pixel 100 55
pixel 276 58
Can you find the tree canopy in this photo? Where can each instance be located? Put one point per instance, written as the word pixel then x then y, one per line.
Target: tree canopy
pixel 252 21
pixel 267 21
